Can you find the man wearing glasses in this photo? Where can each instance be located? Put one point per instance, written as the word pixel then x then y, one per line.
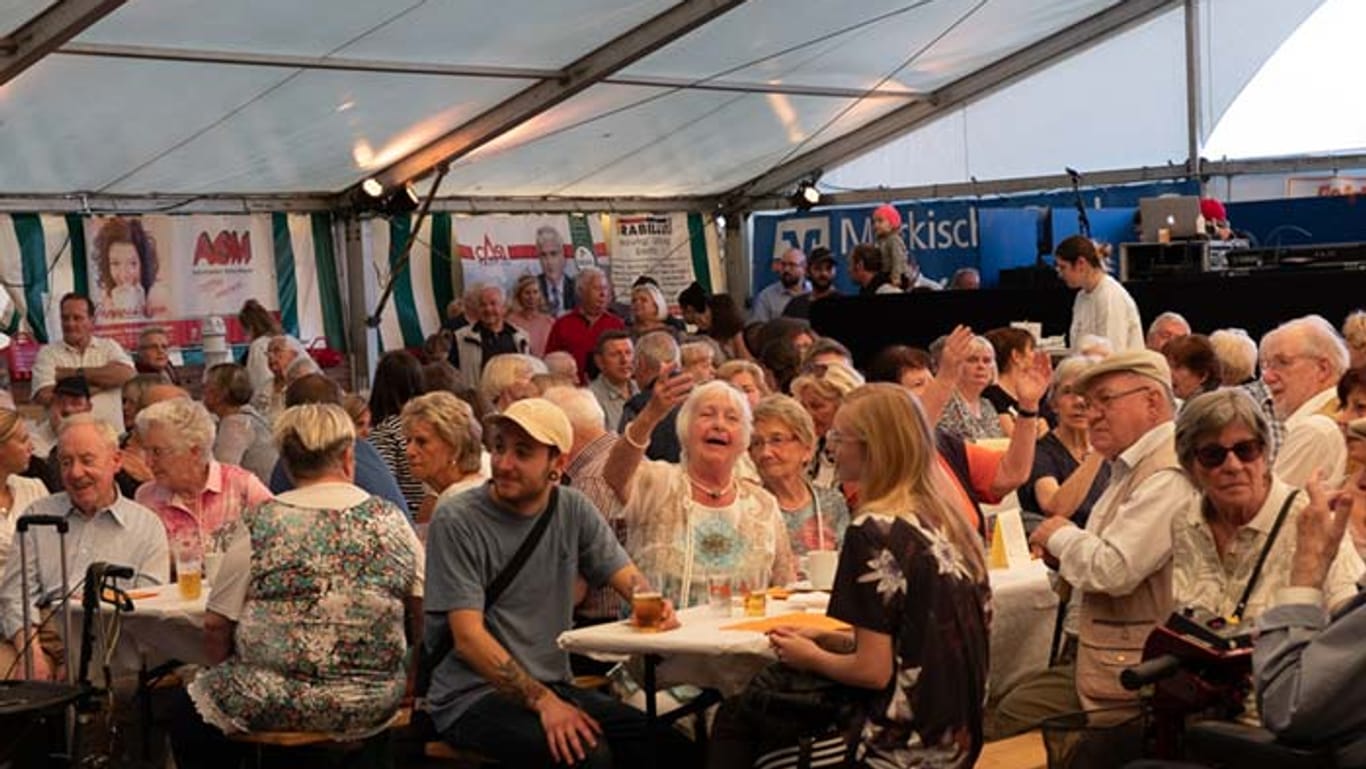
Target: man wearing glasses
pixel 1120 565
pixel 1302 361
pixel 154 353
pixel 791 269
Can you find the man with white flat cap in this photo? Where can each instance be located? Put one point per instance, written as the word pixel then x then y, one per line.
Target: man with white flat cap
pixel 1120 565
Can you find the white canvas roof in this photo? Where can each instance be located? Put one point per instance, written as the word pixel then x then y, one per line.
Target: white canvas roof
pixel 309 97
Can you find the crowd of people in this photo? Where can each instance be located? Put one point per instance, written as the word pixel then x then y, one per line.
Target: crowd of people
pixel 550 453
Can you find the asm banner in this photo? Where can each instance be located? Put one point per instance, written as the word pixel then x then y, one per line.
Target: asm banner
pixel 171 271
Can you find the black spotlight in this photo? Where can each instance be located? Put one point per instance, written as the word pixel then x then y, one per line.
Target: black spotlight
pixel 403 200
pixel 806 196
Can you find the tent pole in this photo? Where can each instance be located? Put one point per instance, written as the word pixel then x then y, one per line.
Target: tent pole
pixel 362 348
pixel 1193 89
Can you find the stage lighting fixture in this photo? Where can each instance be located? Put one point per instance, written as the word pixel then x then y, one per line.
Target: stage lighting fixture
pixel 403 200
pixel 806 196
pixel 372 187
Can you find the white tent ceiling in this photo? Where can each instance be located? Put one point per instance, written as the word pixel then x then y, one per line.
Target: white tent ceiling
pixel 199 97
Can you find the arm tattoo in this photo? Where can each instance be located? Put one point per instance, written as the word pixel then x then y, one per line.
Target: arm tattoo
pixel 516 684
pixel 838 643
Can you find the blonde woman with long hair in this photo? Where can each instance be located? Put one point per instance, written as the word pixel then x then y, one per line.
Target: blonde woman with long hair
pixel 912 583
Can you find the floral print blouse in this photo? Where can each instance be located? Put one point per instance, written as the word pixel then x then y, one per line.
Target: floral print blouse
pixel 319 643
pixel 957 420
pixel 679 543
pixel 899 577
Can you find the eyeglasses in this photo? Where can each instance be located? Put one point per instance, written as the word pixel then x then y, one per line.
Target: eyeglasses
pixel 835 437
pixel 777 441
pixel 1280 362
pixel 1103 401
pixel 1214 455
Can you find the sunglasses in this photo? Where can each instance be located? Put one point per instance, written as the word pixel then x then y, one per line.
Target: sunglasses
pixel 1214 455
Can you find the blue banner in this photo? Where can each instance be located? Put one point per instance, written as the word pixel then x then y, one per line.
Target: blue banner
pixel 944 235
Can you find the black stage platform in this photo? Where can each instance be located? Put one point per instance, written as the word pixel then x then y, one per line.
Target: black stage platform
pixel 1257 302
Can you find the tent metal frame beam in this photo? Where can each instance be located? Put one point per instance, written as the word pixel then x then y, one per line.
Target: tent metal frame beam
pixel 1056 47
pixel 249 203
pixel 47 32
pixel 581 74
pixel 983 189
pixel 238 58
pixel 1208 169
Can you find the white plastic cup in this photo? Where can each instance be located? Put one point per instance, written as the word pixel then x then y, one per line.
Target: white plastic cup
pixel 821 568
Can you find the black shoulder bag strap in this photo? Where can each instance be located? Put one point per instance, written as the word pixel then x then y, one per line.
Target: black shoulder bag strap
pixel 524 551
pixel 1261 559
pixel 432 654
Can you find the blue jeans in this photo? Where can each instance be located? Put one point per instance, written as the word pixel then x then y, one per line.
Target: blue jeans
pixel 511 734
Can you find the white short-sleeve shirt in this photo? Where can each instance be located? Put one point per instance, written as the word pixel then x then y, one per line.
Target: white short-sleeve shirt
pixel 107 403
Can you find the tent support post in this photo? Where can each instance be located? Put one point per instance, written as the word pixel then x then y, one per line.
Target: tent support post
pixel 737 257
pixel 362 346
pixel 1193 88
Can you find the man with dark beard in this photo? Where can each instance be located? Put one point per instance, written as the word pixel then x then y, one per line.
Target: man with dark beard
pixel 791 269
pixel 504 688
pixel 821 273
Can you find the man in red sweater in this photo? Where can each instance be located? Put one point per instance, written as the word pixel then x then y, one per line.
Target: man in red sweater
pixel 576 332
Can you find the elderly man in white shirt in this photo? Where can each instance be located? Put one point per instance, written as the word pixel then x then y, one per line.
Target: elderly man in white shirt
pixel 104 526
pixel 1302 361
pixel 105 364
pixel 1102 306
pixel 1120 565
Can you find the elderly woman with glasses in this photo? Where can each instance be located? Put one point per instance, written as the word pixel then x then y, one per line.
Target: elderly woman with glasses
pixel 783 443
pixel 700 518
pixel 1068 474
pixel 1243 510
pixel 196 496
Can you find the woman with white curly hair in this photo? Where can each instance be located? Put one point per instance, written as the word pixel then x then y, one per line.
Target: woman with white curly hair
pixel 196 496
pixel 699 518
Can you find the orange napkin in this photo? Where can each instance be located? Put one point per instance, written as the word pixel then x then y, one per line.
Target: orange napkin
pixel 795 619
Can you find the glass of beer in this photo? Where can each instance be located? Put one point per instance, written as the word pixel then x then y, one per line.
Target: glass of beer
pixel 647 609
pixel 189 571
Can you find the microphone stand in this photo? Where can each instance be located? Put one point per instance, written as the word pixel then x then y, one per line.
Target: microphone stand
pixel 1083 223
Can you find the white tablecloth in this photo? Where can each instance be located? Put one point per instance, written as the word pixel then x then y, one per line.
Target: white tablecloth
pixel 1024 606
pixel 1023 610
pixel 160 628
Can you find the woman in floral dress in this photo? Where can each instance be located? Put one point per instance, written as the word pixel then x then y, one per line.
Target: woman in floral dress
pixel 305 623
pixel 698 519
pixel 912 583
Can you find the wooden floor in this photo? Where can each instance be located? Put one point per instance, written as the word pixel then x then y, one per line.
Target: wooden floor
pixel 1024 751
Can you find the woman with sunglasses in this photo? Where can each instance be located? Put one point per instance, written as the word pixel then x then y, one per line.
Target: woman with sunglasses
pixel 1221 440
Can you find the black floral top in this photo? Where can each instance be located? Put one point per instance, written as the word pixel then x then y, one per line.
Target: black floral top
pixel 908 581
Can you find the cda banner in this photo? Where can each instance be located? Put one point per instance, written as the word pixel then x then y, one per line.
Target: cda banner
pixel 501 249
pixel 451 252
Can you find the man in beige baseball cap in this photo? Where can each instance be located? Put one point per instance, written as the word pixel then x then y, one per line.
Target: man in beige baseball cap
pixel 501 685
pixel 1119 567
